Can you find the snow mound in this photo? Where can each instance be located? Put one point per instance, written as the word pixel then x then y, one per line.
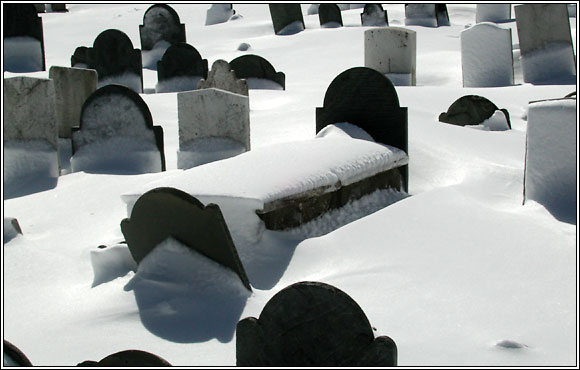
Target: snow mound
pixel 129 79
pixel 344 129
pixel 262 84
pixel 22 54
pixel 111 263
pixel 291 29
pixel 206 150
pixel 177 84
pixel 28 159
pixel 497 122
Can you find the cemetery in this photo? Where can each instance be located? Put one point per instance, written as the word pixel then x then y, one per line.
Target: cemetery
pixel 290 185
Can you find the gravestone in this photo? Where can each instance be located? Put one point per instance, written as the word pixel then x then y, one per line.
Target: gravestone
pixel 329 16
pixel 183 61
pixel 116 113
pixel 471 110
pixel 72 87
pixel 11 228
pixel 129 358
pixel 493 13
pixel 311 324
pixel 58 8
pixel 486 56
pixel 426 15
pixel 545 41
pixel 160 22
pixel 313 9
pixel 393 52
pixel 252 66
pixel 221 76
pixel 80 58
pixel 40 8
pixel 219 13
pixel 366 98
pixel 287 18
pixel 23 39
pixel 342 6
pixel 13 356
pixel 442 15
pixel 167 212
pixel 374 15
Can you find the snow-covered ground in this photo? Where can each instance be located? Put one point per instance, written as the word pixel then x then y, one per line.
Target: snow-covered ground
pixel 458 272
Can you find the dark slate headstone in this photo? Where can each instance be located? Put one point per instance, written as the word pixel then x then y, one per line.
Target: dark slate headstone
pixel 284 15
pixel 15 355
pixel 471 110
pixel 40 8
pixel 442 15
pixel 80 58
pixel 58 8
pixel 22 20
pixel 329 15
pixel 366 98
pixel 181 59
pixel 254 66
pixel 311 324
pixel 129 358
pixel 167 212
pixel 374 15
pixel 160 22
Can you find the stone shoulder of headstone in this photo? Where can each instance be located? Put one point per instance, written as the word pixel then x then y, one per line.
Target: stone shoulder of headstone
pixel 160 22
pixel 181 59
pixel 329 14
pixel 471 110
pixel 311 324
pixel 254 66
pixel 167 212
pixel 284 15
pixel 222 76
pixel 15 355
pixel 129 358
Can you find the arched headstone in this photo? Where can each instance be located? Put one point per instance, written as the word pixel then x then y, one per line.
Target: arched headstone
pixel 287 19
pixel 219 13
pixel 311 324
pixel 167 212
pixel 329 16
pixel 374 15
pixel 471 110
pixel 493 12
pixel 160 22
pixel 14 356
pixel 251 66
pixel 80 58
pixel 129 358
pixel 184 61
pixel 23 39
pixel 222 76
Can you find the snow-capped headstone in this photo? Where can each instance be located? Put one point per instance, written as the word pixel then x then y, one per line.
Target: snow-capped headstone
pixel 23 39
pixel 311 324
pixel 13 356
pixel 162 213
pixel 547 55
pixel 222 76
pixel 253 68
pixel 160 22
pixel 374 15
pixel 129 358
pixel 182 62
pixel 493 12
pixel 329 16
pixel 471 110
pixel 219 13
pixel 393 52
pixel 486 56
pixel 287 18
pixel 426 15
pixel 116 133
pixel 72 87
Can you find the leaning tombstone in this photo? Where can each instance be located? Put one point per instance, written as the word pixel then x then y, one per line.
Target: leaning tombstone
pixel 547 55
pixel 160 22
pixel 13 356
pixel 426 15
pixel 471 110
pixel 221 76
pixel 219 13
pixel 23 39
pixel 493 13
pixel 393 52
pixel 329 16
pixel 374 15
pixel 129 358
pixel 180 69
pixel 258 72
pixel 486 56
pixel 287 19
pixel 311 324
pixel 214 124
pixel 116 135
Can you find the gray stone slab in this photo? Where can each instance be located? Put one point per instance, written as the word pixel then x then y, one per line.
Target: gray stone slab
pixel 21 20
pixel 392 50
pixel 329 15
pixel 160 22
pixel 129 358
pixel 493 12
pixel 470 110
pixel 179 60
pixel 374 15
pixel 254 66
pixel 284 15
pixel 222 76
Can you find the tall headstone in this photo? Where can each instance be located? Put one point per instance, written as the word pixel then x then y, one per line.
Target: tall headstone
pixel 251 67
pixel 374 15
pixel 222 76
pixel 393 52
pixel 311 324
pixel 287 18
pixel 219 13
pixel 182 61
pixel 329 16
pixel 426 15
pixel 23 39
pixel 486 56
pixel 160 22
pixel 493 12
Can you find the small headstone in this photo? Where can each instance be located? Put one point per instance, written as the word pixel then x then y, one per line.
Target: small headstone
pixel 329 16
pixel 486 56
pixel 493 13
pixel 310 324
pixel 14 356
pixel 374 15
pixel 160 22
pixel 23 39
pixel 393 52
pixel 287 18
pixel 222 76
pixel 219 13
pixel 251 67
pixel 470 110
pixel 167 212
pixel 426 15
pixel 181 61
pixel 80 58
pixel 129 358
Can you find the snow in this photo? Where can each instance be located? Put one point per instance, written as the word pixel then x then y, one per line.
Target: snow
pixel 458 272
pixel 129 79
pixel 149 58
pixel 22 54
pixel 177 84
pixel 497 122
pixel 206 150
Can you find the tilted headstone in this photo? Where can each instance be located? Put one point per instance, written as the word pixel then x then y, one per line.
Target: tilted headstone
pixel 366 98
pixel 23 39
pixel 493 12
pixel 222 76
pixel 80 58
pixel 471 110
pixel 219 13
pixel 311 324
pixel 374 15
pixel 160 22
pixel 13 356
pixel 129 358
pixel 167 212
pixel 72 87
pixel 546 49
pixel 329 15
pixel 427 15
pixel 253 66
pixel 182 60
pixel 287 18
pixel 486 56
pixel 393 52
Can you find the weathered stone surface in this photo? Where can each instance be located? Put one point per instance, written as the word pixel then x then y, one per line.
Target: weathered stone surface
pixel 374 15
pixel 470 110
pixel 181 59
pixel 284 15
pixel 15 355
pixel 254 66
pixel 22 20
pixel 219 13
pixel 129 358
pixel 222 76
pixel 160 22
pixel 392 50
pixel 72 87
pixel 312 324
pixel 493 12
pixel 329 15
pixel 167 212
pixel 427 15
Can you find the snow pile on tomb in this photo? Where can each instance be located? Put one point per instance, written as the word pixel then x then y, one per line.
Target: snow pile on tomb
pixel 22 54
pixel 111 262
pixel 497 122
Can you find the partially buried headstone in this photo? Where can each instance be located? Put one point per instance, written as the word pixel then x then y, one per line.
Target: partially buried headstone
pixel 180 69
pixel 471 110
pixel 129 358
pixel 493 12
pixel 287 19
pixel 222 76
pixel 258 72
pixel 80 58
pixel 329 16
pixel 374 15
pixel 160 22
pixel 13 356
pixel 11 228
pixel 311 324
pixel 167 212
pixel 393 52
pixel 116 134
pixel 23 39
pixel 219 13
pixel 426 15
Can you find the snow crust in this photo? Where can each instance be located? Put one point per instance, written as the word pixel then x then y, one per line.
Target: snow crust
pixel 22 54
pixel 497 122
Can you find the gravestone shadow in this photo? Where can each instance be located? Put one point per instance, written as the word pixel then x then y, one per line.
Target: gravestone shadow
pixel 29 185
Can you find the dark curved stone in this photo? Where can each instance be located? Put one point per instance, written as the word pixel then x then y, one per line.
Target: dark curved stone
pixel 181 59
pixel 160 22
pixel 23 20
pixel 250 65
pixel 374 15
pixel 311 324
pixel 285 14
pixel 329 13
pixel 81 55
pixel 470 110
pixel 15 354
pixel 129 358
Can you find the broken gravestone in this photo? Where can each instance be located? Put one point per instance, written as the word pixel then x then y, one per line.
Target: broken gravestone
pixel 255 69
pixel 329 16
pixel 222 76
pixel 374 15
pixel 23 39
pixel 471 110
pixel 287 18
pixel 160 22
pixel 180 69
pixel 129 358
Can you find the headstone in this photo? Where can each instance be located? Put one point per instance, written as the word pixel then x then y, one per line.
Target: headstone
pixel 40 8
pixel 442 15
pixel 493 13
pixel 393 52
pixel 357 6
pixel 426 15
pixel 181 61
pixel 572 10
pixel 366 98
pixel 219 13
pixel 129 358
pixel 251 67
pixel 23 39
pixel 343 6
pixel 329 16
pixel 112 115
pixel 471 110
pixel 374 15
pixel 58 8
pixel 72 87
pixel 11 228
pixel 310 324
pixel 160 22
pixel 287 18
pixel 80 58
pixel 486 56
pixel 313 9
pixel 222 76
pixel 167 212
pixel 545 41
pixel 14 356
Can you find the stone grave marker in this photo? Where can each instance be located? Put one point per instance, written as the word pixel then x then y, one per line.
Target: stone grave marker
pixel 129 358
pixel 14 356
pixel 393 52
pixel 23 39
pixel 426 15
pixel 374 15
pixel 493 13
pixel 58 8
pixel 471 110
pixel 167 212
pixel 310 324
pixel 287 18
pixel 329 16
pixel 219 13
pixel 160 22
pixel 252 66
pixel 72 87
pixel 221 76
pixel 442 15
pixel 486 56
pixel 184 61
pixel 80 58
pixel 40 8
